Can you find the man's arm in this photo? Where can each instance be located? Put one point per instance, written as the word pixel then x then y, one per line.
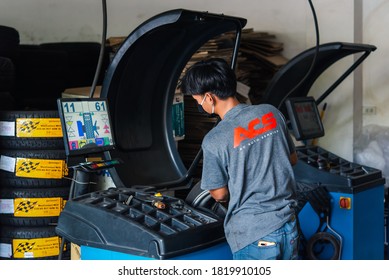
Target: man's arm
pixel 221 195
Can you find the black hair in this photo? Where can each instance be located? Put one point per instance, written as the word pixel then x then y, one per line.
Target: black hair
pixel 213 75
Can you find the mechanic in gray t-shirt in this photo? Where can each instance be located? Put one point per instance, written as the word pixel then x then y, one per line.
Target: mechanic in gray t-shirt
pixel 247 163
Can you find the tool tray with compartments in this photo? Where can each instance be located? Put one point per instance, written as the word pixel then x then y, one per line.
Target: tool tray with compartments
pixel 337 174
pixel 138 223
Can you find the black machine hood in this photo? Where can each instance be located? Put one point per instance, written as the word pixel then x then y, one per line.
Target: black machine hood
pixel 286 82
pixel 140 84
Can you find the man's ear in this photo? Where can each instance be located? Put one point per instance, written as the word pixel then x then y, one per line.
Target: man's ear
pixel 212 97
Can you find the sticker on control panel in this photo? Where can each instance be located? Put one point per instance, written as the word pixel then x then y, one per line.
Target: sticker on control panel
pixel 38 127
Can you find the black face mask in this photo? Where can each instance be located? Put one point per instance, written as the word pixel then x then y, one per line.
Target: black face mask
pixel 201 109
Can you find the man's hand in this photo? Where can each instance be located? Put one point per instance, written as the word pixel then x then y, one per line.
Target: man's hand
pixel 293 158
pixel 221 195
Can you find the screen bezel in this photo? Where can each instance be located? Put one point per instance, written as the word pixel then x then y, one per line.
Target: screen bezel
pixel 297 128
pixel 90 150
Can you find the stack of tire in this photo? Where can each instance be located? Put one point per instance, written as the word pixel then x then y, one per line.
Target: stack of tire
pixel 34 184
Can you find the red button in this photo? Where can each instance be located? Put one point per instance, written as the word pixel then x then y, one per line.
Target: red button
pixel 345 203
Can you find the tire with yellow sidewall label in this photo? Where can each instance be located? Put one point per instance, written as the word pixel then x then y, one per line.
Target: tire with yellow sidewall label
pixel 32 207
pixel 31 243
pixel 31 130
pixel 29 168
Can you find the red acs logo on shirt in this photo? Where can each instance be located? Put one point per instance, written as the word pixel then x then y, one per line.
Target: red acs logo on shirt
pixel 255 127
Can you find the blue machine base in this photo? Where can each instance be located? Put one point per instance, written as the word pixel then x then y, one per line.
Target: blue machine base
pixel 218 252
pixel 361 227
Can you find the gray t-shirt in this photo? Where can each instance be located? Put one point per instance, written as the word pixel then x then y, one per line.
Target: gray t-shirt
pixel 248 151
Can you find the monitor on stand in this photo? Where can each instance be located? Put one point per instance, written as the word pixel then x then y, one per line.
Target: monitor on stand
pixel 87 134
pixel 304 118
pixel 86 126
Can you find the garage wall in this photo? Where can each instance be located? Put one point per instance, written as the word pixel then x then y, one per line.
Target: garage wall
pixel 291 21
pixel 376 84
pixel 80 20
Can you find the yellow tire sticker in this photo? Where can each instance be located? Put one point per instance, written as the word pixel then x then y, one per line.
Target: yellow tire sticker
pixel 36 247
pixel 40 168
pixel 38 127
pixel 38 207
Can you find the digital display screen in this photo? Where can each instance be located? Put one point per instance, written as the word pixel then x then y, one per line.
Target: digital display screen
pixel 86 125
pixel 305 118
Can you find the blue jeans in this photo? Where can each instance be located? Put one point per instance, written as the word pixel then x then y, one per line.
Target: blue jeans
pixel 281 244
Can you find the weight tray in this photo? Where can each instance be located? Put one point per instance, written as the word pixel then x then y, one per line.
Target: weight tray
pixel 322 167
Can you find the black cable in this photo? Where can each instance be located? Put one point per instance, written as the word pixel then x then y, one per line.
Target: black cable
pixel 323 238
pixel 102 49
pixel 92 91
pixel 314 58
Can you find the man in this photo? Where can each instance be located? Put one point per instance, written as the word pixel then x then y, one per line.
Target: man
pixel 247 162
